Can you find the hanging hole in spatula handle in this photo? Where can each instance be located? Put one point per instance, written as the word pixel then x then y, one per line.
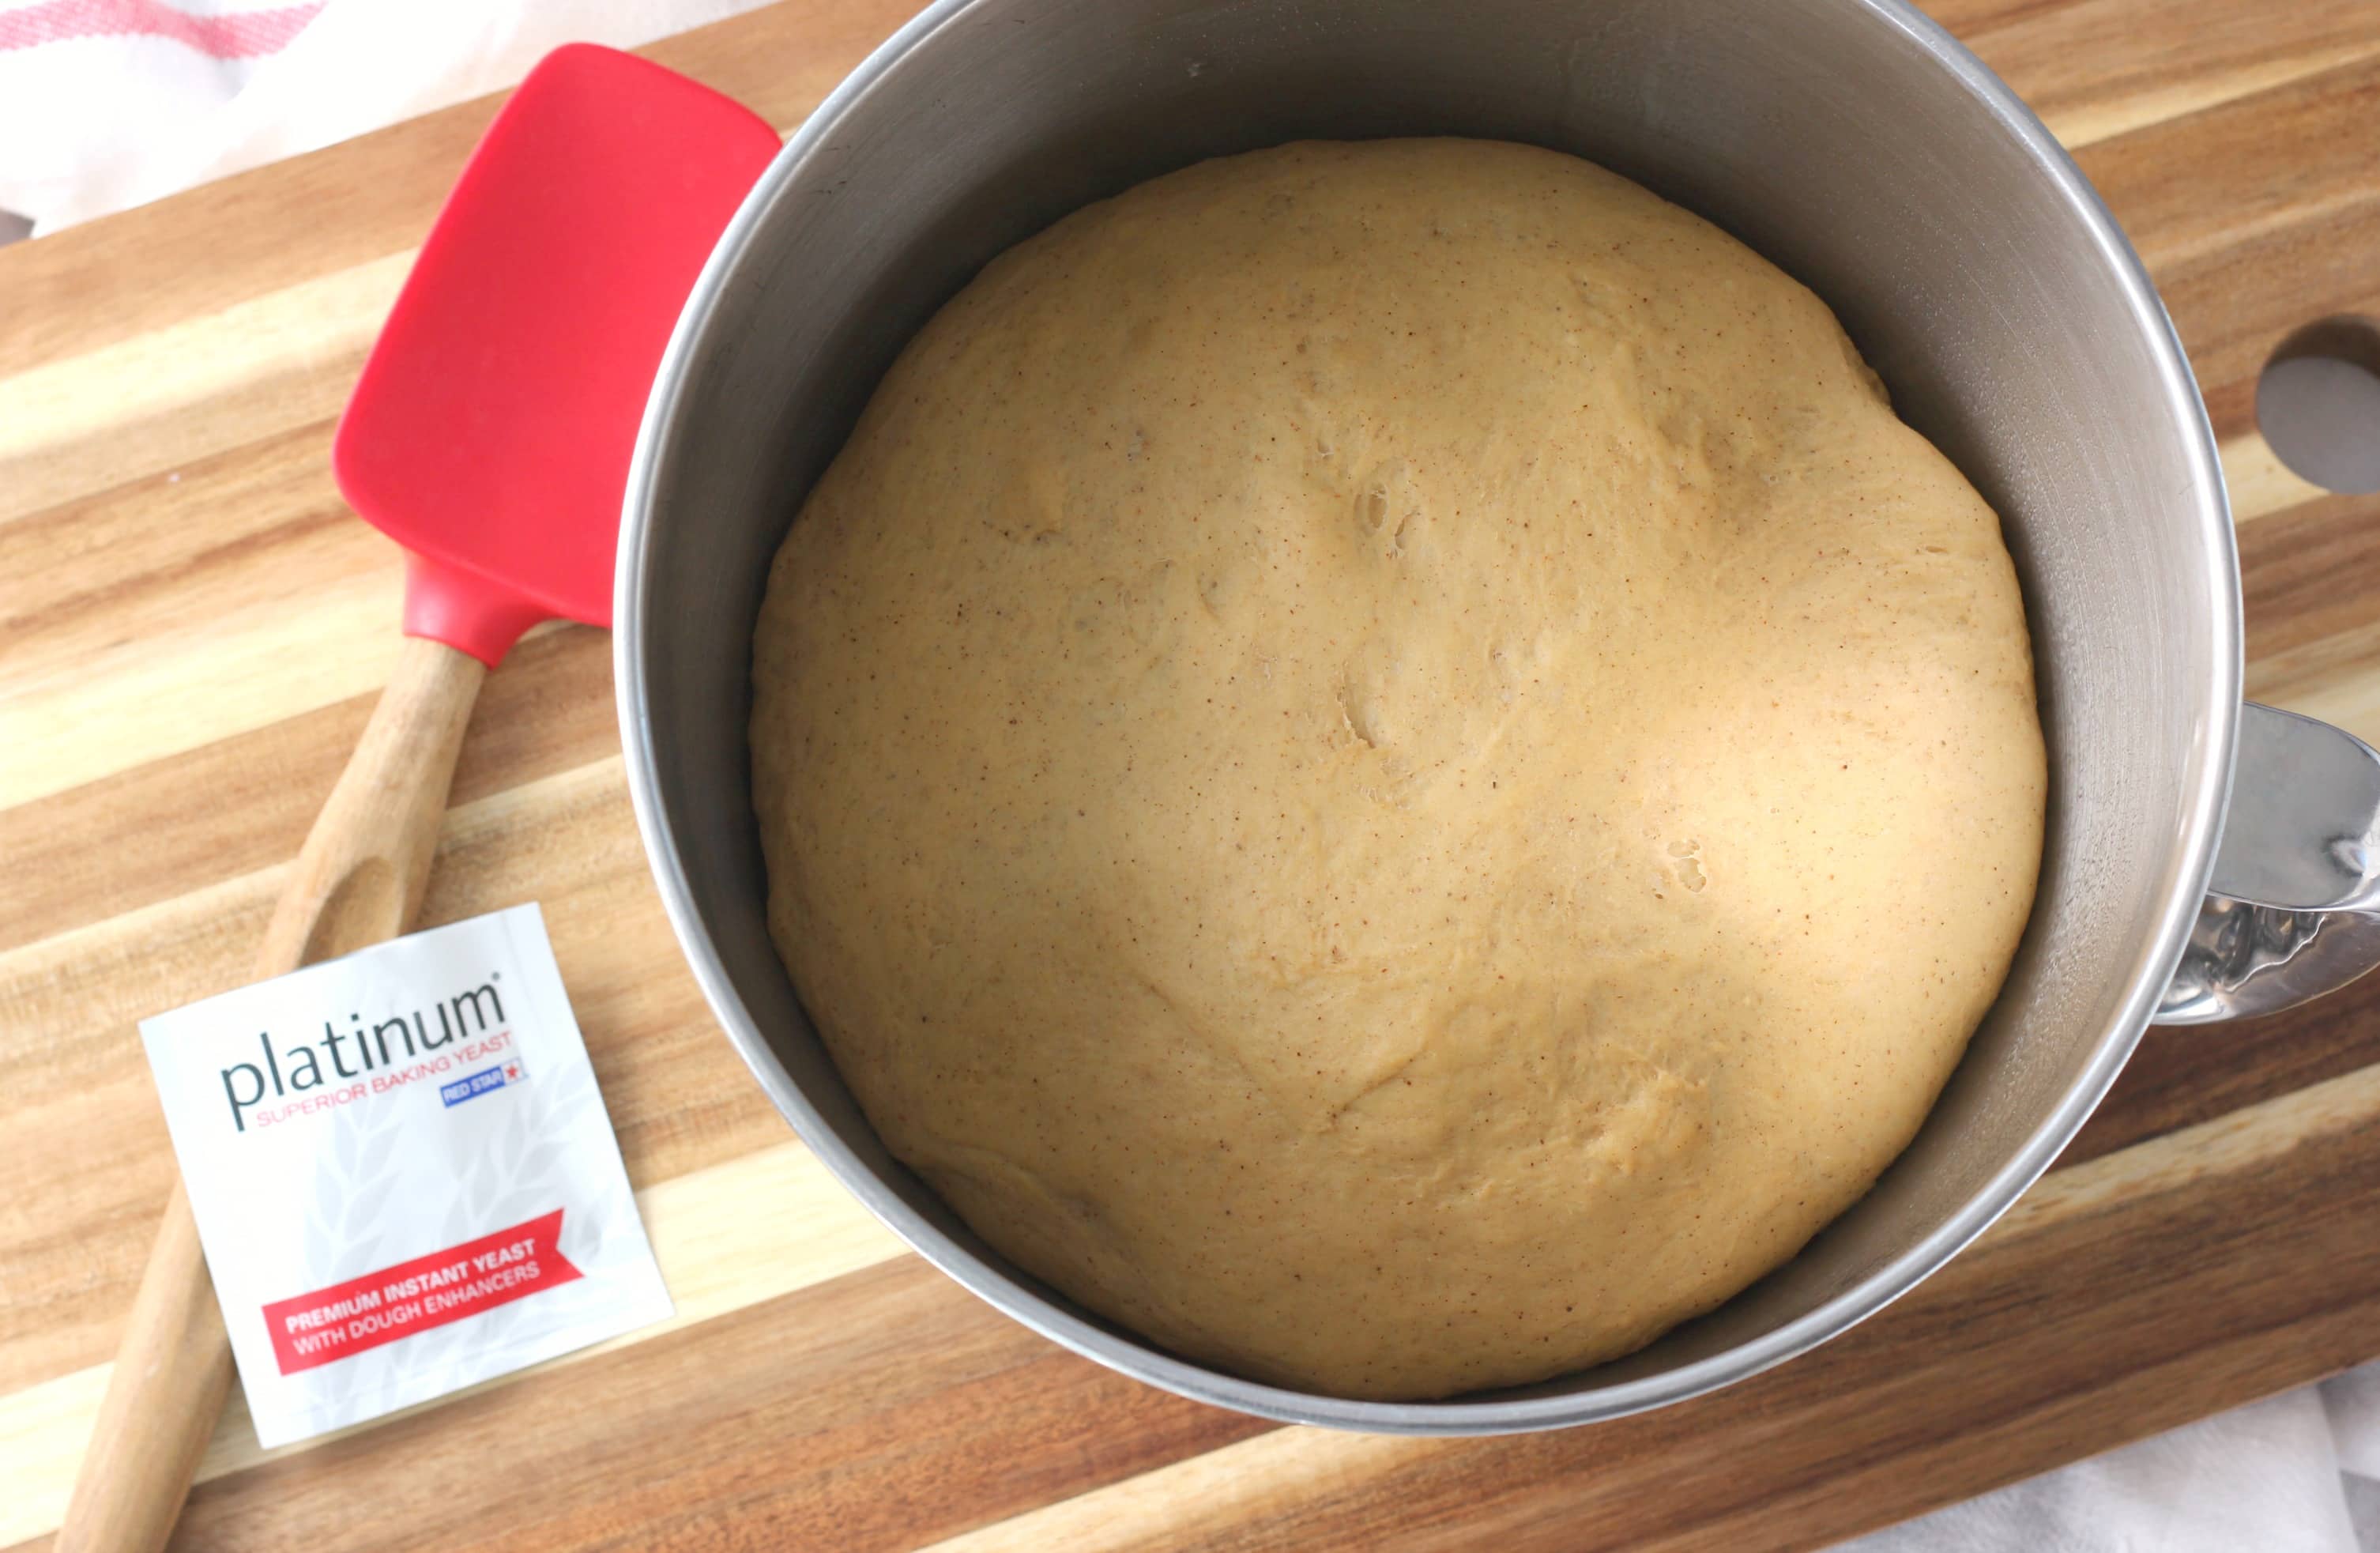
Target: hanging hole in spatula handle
pixel 359 880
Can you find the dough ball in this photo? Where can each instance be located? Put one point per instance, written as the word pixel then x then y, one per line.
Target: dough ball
pixel 1383 762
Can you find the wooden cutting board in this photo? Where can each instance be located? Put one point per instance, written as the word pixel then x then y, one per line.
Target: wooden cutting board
pixel 192 628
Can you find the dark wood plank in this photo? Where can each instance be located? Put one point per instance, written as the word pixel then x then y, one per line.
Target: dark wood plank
pixel 876 1411
pixel 2309 578
pixel 2254 217
pixel 2081 62
pixel 2181 1077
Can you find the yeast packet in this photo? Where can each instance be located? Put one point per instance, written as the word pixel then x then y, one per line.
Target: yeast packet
pixel 402 1172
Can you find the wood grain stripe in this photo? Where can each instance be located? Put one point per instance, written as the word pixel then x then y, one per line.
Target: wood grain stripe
pixel 2186 1077
pixel 727 1237
pixel 2089 124
pixel 2095 69
pixel 189 389
pixel 327 638
pixel 871 1412
pixel 2254 217
pixel 243 801
pixel 2307 577
pixel 42 1428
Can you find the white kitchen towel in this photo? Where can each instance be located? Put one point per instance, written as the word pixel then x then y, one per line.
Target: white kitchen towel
pixel 106 104
pixel 2275 1477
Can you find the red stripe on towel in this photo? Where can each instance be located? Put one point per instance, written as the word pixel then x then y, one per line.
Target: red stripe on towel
pixel 243 35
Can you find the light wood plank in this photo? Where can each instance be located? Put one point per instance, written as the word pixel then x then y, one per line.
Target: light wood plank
pixel 243 802
pixel 188 390
pixel 327 638
pixel 2259 482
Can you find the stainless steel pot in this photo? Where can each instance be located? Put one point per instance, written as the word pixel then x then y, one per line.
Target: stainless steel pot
pixel 1852 142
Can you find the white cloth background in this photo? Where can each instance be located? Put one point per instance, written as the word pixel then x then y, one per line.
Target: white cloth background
pixel 2298 1473
pixel 106 104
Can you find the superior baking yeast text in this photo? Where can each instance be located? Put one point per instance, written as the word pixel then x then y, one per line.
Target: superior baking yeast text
pixel 403 1173
pixel 389 1053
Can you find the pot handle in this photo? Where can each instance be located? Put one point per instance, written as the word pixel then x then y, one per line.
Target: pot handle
pixel 2294 909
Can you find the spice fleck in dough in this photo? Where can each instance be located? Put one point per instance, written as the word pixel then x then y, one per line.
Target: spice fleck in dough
pixel 1382 761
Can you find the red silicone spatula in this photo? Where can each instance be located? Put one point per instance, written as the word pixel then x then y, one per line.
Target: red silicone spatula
pixel 489 436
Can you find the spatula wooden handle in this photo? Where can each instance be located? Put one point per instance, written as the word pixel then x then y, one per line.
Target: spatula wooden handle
pixel 359 880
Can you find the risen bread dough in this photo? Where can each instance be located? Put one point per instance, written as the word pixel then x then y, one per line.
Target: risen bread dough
pixel 1382 761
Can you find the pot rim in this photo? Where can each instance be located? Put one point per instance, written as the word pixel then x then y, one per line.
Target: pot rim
pixel 2207 784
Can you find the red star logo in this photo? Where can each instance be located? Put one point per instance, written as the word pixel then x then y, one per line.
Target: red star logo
pixel 512 1069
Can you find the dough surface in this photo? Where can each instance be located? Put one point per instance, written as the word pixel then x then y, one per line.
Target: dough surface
pixel 1383 762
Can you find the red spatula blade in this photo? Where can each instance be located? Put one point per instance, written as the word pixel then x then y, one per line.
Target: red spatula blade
pixel 491 430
